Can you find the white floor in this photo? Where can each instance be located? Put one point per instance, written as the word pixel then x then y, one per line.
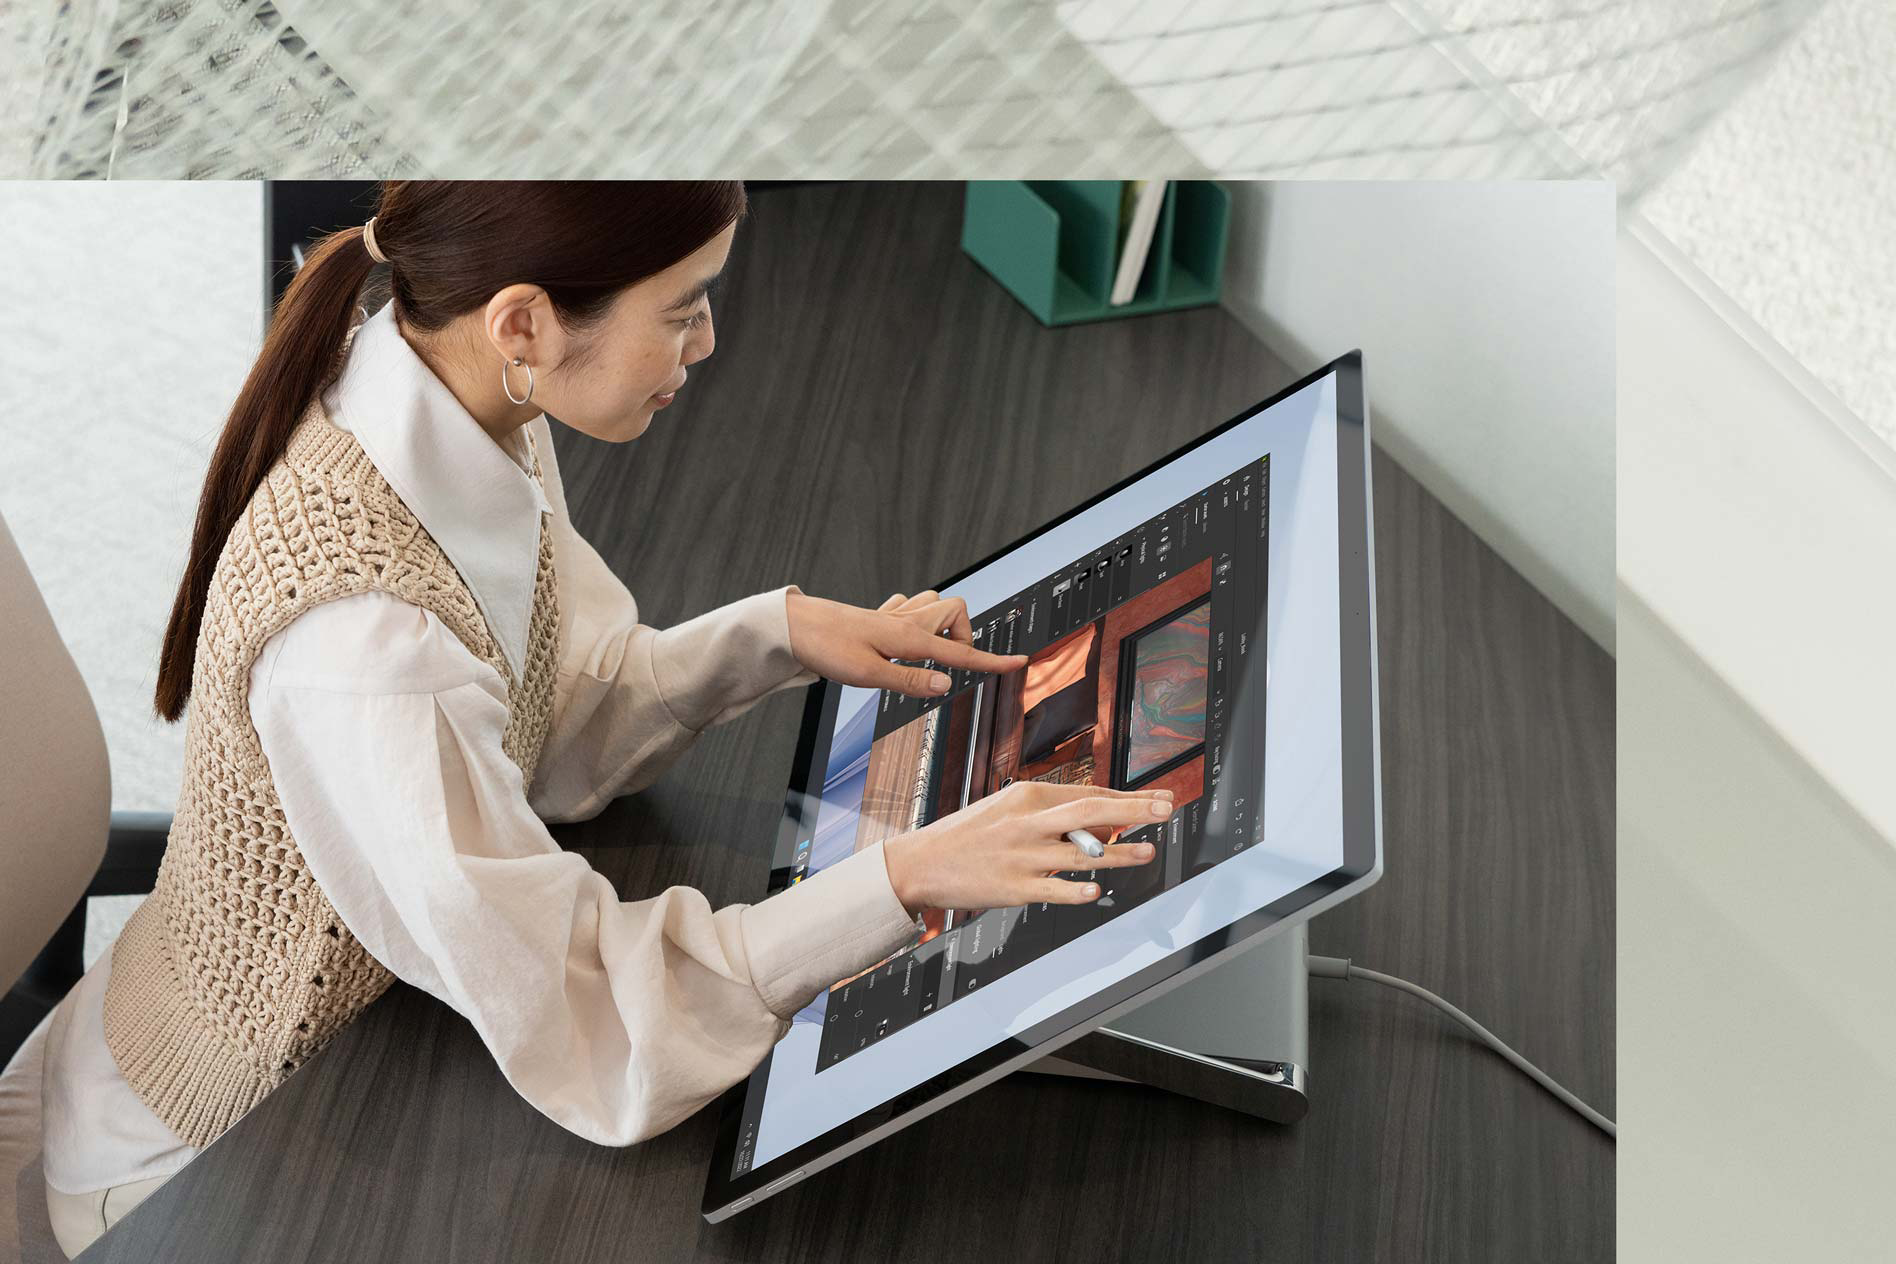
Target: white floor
pixel 1788 204
pixel 141 317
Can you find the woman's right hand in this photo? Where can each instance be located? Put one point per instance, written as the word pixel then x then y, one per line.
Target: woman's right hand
pixel 1003 850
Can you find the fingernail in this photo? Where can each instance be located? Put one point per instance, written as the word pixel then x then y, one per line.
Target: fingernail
pixel 1161 807
pixel 1145 851
pixel 1163 794
pixel 938 682
pixel 1090 890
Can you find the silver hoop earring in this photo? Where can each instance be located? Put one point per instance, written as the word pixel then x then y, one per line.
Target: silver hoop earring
pixel 507 386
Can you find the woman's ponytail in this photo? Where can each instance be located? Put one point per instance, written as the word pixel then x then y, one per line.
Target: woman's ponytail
pixel 454 244
pixel 301 350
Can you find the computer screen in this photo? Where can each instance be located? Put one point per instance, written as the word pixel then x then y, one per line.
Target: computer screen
pixel 1187 630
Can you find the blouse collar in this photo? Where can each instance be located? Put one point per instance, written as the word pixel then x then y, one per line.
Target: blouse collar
pixel 479 501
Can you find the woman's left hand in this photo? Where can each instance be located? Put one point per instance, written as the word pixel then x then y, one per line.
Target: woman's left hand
pixel 853 646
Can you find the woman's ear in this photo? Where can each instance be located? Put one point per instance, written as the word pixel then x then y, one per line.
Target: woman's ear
pixel 520 322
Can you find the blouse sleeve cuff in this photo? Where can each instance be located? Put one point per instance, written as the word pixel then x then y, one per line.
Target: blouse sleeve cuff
pixel 834 924
pixel 726 660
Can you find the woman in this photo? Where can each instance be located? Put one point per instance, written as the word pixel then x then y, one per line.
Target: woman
pixel 402 662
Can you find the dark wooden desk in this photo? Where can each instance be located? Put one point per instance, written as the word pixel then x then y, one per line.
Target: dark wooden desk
pixel 879 414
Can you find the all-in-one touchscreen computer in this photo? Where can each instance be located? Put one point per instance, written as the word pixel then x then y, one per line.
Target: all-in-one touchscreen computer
pixel 1205 626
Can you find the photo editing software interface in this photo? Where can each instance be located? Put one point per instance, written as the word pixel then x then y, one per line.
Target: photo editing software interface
pixel 1129 652
pixel 1132 651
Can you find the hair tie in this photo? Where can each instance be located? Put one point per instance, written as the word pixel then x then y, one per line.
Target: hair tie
pixel 368 239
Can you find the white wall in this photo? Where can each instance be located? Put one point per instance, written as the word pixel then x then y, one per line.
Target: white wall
pixel 1757 1040
pixel 1757 875
pixel 1758 521
pixel 1485 315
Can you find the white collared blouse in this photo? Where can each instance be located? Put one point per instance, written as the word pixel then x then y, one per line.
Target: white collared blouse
pixel 617 1019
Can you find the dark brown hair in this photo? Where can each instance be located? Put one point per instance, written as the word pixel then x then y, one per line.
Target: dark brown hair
pixel 451 246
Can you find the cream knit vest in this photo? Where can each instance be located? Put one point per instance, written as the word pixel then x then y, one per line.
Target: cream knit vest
pixel 237 967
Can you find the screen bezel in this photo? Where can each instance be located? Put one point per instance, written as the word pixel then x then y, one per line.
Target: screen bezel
pixel 1120 774
pixel 1361 810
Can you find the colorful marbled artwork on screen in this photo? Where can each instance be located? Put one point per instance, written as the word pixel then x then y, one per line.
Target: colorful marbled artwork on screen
pixel 1170 666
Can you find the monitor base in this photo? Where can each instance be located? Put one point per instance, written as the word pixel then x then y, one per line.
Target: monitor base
pixel 1238 1037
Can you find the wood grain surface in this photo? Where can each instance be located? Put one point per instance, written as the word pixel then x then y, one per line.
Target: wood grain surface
pixel 878 414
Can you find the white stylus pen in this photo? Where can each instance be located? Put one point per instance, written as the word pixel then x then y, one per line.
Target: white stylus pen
pixel 1084 840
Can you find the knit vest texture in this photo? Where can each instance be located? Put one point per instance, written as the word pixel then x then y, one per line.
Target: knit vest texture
pixel 237 968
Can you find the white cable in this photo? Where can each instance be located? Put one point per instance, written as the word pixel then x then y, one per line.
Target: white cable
pixel 1342 968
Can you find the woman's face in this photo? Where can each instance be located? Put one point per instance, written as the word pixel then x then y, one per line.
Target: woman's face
pixel 616 375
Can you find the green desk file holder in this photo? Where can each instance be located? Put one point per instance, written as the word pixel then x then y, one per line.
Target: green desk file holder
pixel 1054 245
